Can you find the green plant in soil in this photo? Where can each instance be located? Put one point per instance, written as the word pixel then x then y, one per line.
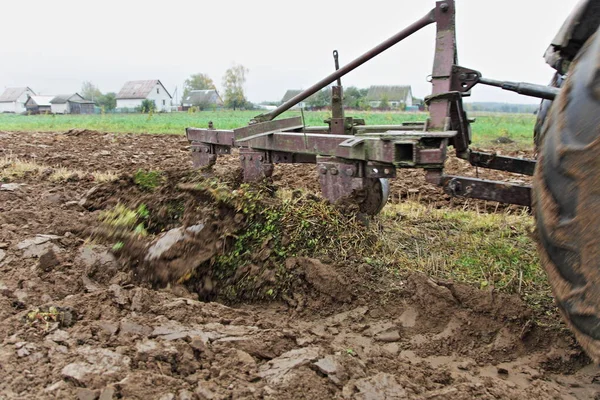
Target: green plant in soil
pixel 123 221
pixel 148 180
pixel 275 228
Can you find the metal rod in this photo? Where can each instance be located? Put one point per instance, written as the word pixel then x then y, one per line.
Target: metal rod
pixel 527 89
pixel 337 65
pixel 403 34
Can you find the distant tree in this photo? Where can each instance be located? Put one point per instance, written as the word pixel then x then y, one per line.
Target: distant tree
pixel 89 91
pixel 233 83
pixel 197 82
pixel 354 97
pixel 108 101
pixel 321 99
pixel 148 106
pixel 384 104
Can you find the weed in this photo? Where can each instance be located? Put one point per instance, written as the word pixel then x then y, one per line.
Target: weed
pixel 123 220
pixel 148 180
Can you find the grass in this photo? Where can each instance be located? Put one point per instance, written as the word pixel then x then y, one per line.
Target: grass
pixel 518 127
pixel 481 249
pixel 12 168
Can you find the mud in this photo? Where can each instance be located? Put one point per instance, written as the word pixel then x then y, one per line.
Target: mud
pixel 78 320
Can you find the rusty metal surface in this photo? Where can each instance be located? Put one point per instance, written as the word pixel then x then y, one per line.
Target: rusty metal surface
pixel 511 164
pixel 203 155
pixel 503 192
pixel 213 136
pixel 444 58
pixel 463 79
pixel 256 165
pixel 344 179
pixel 429 18
pixel 399 151
pixel 268 127
pixel 337 123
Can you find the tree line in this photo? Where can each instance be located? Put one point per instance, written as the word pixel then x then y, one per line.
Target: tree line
pixel 234 96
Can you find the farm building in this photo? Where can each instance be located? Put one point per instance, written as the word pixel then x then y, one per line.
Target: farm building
pixel 13 99
pixel 396 96
pixel 291 93
pixel 134 92
pixel 71 104
pixel 202 99
pixel 39 104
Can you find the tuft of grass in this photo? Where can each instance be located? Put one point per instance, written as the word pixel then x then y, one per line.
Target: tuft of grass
pixel 14 168
pixel 148 180
pixel 123 220
pixel 481 249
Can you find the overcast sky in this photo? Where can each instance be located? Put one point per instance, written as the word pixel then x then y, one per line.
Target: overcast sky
pixel 53 46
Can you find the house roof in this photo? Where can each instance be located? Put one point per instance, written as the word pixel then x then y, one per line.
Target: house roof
pixel 139 89
pixel 12 94
pixel 289 94
pixel 43 101
pixel 203 96
pixel 391 93
pixel 73 97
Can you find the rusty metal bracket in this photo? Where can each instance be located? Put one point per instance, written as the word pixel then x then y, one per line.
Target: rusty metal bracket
pixel 463 79
pixel 265 128
pixel 459 186
pixel 256 164
pixel 203 155
pixel 511 164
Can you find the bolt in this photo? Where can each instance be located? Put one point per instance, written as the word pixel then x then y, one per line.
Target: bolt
pixel 260 158
pixel 444 7
pixel 206 150
pixel 323 170
pixel 349 172
pixel 334 171
pixel 242 158
pixel 387 171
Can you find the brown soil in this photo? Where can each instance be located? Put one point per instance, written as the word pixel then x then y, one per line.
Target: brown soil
pixel 75 322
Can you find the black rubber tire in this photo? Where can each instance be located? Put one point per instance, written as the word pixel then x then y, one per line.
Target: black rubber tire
pixel 566 198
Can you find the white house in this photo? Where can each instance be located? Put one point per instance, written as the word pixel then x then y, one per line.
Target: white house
pixel 134 92
pixel 71 104
pixel 13 99
pixel 396 96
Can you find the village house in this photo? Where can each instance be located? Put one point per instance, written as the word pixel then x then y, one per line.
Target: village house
pixel 39 104
pixel 396 96
pixel 134 92
pixel 13 99
pixel 203 99
pixel 290 94
pixel 71 104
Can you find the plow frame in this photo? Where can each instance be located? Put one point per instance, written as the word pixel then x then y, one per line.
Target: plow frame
pixel 351 156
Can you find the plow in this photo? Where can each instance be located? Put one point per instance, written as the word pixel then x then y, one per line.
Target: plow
pixel 354 160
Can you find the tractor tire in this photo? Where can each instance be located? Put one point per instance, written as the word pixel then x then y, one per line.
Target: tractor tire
pixel 566 198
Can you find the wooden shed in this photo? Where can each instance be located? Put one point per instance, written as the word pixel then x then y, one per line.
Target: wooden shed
pixel 71 104
pixel 39 104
